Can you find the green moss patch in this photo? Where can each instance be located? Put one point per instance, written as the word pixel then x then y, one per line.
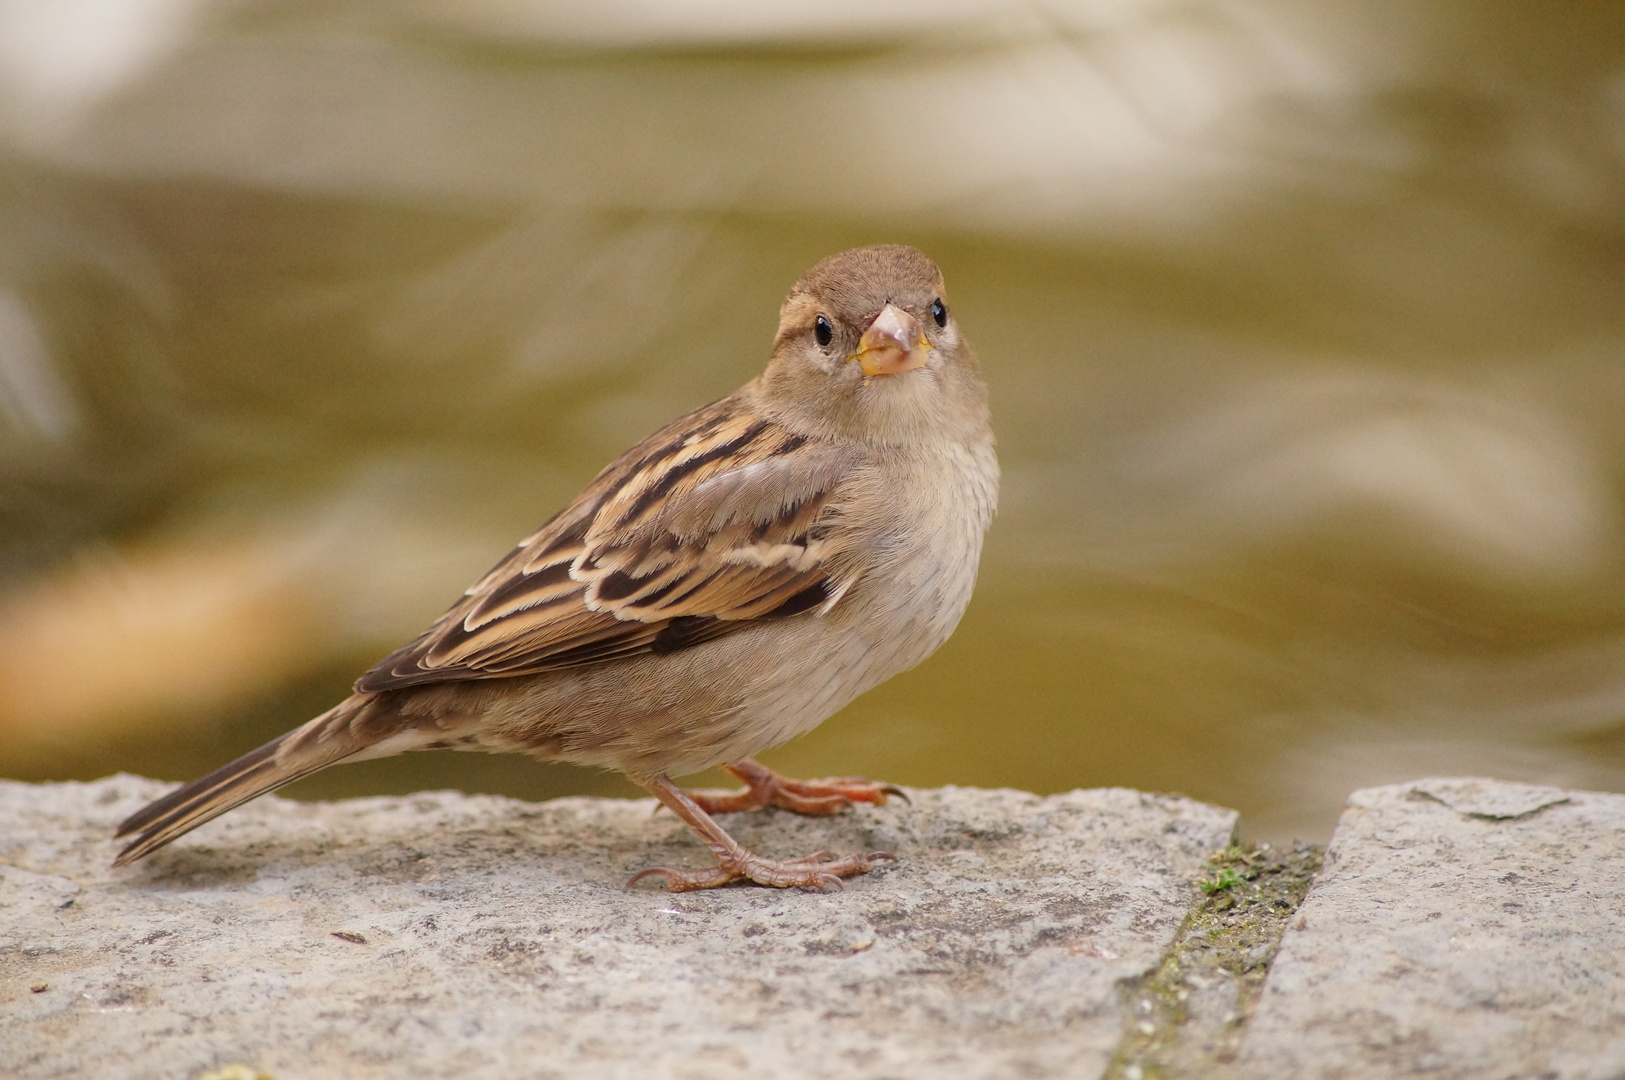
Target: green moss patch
pixel 1186 1018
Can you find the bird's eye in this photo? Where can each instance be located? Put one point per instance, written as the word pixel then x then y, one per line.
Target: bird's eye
pixel 822 330
pixel 939 313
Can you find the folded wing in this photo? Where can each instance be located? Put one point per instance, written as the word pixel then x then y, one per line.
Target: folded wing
pixel 720 519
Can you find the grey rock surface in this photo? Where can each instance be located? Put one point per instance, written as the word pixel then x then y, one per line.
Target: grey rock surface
pixel 473 936
pixel 1459 929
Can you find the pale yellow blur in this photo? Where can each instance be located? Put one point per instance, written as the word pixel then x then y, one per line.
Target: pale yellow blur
pixel 120 636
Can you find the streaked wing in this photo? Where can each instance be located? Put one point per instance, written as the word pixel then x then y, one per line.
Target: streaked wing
pixel 716 520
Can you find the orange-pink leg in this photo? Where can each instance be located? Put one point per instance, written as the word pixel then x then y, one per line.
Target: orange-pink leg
pixel 764 787
pixel 735 863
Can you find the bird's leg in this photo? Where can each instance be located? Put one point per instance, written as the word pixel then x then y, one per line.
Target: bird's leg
pixel 764 787
pixel 735 863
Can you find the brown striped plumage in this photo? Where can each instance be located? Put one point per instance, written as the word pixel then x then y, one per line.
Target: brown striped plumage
pixel 707 523
pixel 724 585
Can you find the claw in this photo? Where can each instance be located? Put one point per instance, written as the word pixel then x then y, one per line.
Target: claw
pixel 650 872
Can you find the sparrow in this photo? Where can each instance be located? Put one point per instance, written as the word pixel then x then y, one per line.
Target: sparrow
pixel 723 586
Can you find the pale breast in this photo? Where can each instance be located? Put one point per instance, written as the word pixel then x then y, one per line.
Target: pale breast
pixel 925 556
pixel 919 591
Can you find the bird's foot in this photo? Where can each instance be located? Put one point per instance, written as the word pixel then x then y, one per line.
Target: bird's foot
pixel 764 787
pixel 734 862
pixel 814 871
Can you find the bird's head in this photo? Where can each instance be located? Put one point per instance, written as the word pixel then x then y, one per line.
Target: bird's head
pixel 867 349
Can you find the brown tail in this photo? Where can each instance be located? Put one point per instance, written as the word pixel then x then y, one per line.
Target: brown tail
pixel 326 740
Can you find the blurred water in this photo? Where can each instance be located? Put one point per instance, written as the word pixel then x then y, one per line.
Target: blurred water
pixel 1305 326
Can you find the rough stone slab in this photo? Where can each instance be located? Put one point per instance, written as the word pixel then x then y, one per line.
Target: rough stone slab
pixel 1459 929
pixel 1497 800
pixel 495 938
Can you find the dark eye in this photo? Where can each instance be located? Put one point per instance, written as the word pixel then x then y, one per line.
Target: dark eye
pixel 939 313
pixel 822 330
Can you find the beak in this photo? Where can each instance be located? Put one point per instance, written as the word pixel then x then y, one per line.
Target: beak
pixel 893 343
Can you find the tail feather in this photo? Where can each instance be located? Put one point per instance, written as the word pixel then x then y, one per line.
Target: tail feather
pixel 324 741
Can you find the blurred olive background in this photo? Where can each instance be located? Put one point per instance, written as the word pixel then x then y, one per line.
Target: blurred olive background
pixel 1305 325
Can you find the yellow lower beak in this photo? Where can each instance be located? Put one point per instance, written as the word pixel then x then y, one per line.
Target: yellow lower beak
pixel 893 343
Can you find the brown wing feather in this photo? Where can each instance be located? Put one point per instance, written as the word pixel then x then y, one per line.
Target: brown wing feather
pixel 711 522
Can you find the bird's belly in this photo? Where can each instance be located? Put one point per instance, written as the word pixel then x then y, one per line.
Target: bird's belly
pixel 724 700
